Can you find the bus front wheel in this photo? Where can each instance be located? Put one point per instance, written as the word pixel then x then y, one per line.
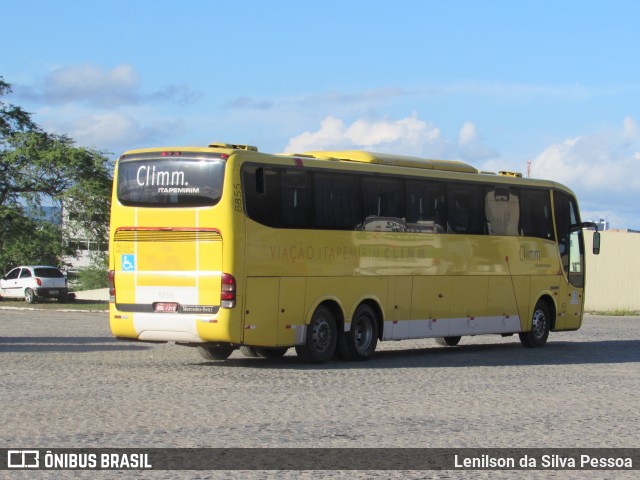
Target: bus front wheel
pixel 448 341
pixel 214 353
pixel 540 325
pixel 320 339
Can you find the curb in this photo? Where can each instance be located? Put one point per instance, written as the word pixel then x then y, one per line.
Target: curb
pixel 53 309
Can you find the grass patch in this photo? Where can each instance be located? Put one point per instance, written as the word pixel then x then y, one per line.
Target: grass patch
pixel 46 304
pixel 616 313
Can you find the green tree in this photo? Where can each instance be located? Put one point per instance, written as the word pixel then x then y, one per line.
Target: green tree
pixel 39 168
pixel 27 241
pixel 12 119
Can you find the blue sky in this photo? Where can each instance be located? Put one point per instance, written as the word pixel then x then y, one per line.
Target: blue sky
pixel 492 83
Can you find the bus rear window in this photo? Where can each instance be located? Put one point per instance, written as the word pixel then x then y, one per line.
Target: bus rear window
pixel 170 182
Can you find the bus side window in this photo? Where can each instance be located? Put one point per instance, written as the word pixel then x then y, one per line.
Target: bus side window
pixel 465 212
pixel 502 207
pixel 425 206
pixel 535 214
pixel 295 200
pixel 382 197
pixel 336 201
pixel 262 191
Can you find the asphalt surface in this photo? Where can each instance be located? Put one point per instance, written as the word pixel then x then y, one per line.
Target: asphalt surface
pixel 66 383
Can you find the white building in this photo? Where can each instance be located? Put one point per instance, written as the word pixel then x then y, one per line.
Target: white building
pixel 87 249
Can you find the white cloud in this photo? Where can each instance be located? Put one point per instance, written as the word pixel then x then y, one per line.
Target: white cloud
pixel 105 129
pixel 630 130
pixel 408 136
pixel 471 146
pixel 106 108
pixel 105 88
pixel 467 134
pixel 602 168
pixel 604 160
pixel 74 83
pixel 117 130
pixel 405 136
pixel 332 98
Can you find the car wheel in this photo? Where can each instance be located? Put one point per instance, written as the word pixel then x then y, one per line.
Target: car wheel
pixel 29 296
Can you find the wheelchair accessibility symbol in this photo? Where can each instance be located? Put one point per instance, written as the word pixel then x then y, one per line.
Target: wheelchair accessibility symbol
pixel 128 263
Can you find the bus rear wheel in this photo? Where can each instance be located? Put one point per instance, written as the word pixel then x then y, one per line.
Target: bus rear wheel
pixel 271 352
pixel 214 353
pixel 249 351
pixel 448 341
pixel 361 340
pixel 320 342
pixel 540 326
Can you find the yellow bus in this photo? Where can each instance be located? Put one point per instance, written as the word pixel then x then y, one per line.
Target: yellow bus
pixel 224 247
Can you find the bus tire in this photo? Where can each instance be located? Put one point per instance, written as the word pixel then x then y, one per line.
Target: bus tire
pixel 271 352
pixel 214 353
pixel 249 351
pixel 448 341
pixel 320 342
pixel 361 340
pixel 540 326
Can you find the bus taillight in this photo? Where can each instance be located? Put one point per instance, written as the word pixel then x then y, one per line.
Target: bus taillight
pixel 112 286
pixel 228 291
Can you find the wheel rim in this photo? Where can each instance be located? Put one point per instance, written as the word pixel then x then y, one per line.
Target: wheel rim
pixel 539 322
pixel 321 337
pixel 362 334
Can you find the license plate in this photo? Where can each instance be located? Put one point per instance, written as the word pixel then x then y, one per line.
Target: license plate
pixel 53 292
pixel 166 307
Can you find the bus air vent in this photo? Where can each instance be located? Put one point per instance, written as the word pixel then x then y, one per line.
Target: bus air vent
pixel 510 174
pixel 233 146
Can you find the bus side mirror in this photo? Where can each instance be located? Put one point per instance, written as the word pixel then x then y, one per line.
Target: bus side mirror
pixel 596 242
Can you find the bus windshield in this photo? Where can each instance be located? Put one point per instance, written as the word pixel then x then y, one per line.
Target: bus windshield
pixel 170 182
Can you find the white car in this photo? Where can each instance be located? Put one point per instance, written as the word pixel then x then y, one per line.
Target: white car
pixel 35 282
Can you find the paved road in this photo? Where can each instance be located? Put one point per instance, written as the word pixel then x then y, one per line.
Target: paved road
pixel 67 383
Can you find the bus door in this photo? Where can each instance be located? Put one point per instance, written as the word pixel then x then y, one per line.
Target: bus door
pixel 571 251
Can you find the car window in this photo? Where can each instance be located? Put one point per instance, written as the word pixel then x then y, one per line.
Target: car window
pixel 13 274
pixel 48 272
pixel 25 273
